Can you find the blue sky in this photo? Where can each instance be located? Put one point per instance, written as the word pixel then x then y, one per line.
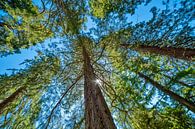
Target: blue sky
pixel 13 61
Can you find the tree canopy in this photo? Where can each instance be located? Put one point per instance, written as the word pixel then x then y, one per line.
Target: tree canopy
pixel 99 70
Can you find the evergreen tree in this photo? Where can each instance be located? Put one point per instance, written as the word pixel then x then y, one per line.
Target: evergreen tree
pixel 118 75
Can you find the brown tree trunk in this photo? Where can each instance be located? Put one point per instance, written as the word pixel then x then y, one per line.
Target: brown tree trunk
pixel 190 105
pixel 180 53
pixel 97 114
pixel 10 99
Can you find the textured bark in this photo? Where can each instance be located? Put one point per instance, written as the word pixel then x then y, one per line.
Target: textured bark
pixel 97 114
pixel 190 105
pixel 180 53
pixel 10 99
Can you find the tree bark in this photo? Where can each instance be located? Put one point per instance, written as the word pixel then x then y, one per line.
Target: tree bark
pixel 180 53
pixel 190 105
pixel 97 114
pixel 11 98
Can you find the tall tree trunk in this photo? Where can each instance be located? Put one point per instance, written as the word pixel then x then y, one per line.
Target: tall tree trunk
pixel 97 114
pixel 11 98
pixel 190 105
pixel 180 53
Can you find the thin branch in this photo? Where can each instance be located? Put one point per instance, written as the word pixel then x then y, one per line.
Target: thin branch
pixel 64 94
pixel 43 7
pixel 2 24
pixel 100 54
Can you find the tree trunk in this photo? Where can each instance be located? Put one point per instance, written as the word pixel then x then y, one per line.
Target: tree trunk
pixel 10 99
pixel 190 105
pixel 180 53
pixel 97 114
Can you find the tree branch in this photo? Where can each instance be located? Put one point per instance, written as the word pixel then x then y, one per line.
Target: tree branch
pixel 64 94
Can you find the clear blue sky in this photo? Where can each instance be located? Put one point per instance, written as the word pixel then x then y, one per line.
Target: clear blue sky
pixel 13 61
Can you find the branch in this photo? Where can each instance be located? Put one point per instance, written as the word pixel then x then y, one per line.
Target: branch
pixel 64 94
pixel 43 7
pixel 2 24
pixel 100 54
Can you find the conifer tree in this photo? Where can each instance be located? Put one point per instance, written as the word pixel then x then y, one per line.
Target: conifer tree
pixel 116 75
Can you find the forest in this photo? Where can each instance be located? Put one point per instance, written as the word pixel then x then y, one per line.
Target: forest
pixel 97 64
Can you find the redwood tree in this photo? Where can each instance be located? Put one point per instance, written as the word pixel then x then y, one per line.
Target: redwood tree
pixel 95 74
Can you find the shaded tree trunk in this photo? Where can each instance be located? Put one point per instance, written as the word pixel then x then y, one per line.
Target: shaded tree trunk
pixel 97 114
pixel 11 98
pixel 190 105
pixel 180 53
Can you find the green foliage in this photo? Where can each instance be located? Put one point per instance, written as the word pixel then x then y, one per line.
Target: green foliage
pixel 34 80
pixel 167 28
pixel 136 93
pixel 21 29
pixel 168 119
pixel 184 73
pixel 134 102
pixel 101 8
pixel 21 4
pixel 66 18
